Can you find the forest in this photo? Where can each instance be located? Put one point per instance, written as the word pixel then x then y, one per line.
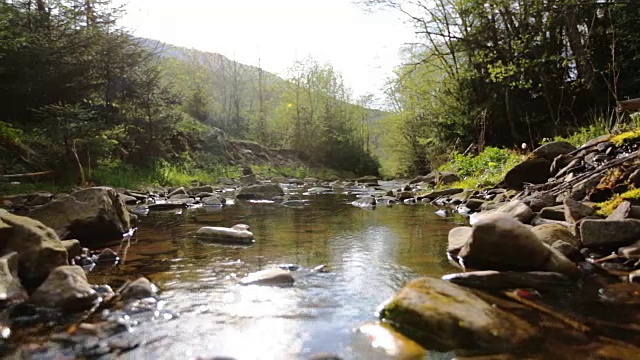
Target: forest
pixel 85 98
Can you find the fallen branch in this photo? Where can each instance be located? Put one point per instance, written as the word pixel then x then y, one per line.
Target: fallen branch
pixel 28 174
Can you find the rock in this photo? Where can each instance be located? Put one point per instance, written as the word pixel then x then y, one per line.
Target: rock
pixel 177 191
pixel 560 162
pixel 212 201
pixel 500 242
pixel 179 197
pixel 275 276
pixel 569 251
pixel 621 293
pixel 10 287
pixel 368 180
pixel 91 214
pixel 550 233
pixel 458 237
pixel 38 247
pixel 609 232
pixel 533 171
pixel 65 288
pixel 474 204
pixel 539 201
pixel 39 198
pixel 248 180
pixel 107 256
pixel 496 280
pixel 167 206
pixel 129 200
pixel 553 213
pixel 553 149
pixel 443 316
pixel 73 248
pixel 621 212
pixel 404 195
pixel 576 210
pixel 515 208
pixel 236 234
pixel 262 191
pixel 310 180
pixel 139 289
pixel 194 191
pixel 383 338
pixel 367 202
pixel 279 180
pixel 436 194
pixel 579 192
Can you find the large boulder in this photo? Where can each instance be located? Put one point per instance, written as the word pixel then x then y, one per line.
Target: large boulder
pixel 443 316
pixel 66 288
pixel 574 210
pixel 497 280
pixel 262 191
pixel 87 215
pixel 10 287
pixel 500 242
pixel 532 171
pixel 515 208
pixel 39 248
pixel 553 149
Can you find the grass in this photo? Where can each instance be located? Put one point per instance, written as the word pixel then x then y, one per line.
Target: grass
pixel 486 169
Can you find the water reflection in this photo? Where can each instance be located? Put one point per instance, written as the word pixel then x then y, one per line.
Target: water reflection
pixel 371 254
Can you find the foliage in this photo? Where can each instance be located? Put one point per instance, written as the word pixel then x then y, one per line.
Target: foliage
pixel 607 207
pixel 487 168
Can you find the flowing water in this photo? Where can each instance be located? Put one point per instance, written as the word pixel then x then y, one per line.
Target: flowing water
pixel 370 255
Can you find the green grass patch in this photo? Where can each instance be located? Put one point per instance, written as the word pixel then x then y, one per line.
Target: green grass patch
pixel 486 169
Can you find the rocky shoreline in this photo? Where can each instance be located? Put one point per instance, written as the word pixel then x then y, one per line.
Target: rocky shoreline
pixel 533 239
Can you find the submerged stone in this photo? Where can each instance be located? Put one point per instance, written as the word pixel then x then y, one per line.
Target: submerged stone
pixel 238 233
pixel 275 276
pixel 443 316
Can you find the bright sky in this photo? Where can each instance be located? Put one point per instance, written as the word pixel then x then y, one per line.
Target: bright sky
pixel 364 47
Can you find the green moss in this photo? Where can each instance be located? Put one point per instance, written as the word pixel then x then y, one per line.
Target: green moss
pixel 607 207
pixel 626 137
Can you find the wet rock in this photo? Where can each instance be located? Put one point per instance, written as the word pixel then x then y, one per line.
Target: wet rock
pixel 179 197
pixel 137 195
pixel 404 195
pixel 443 316
pixel 248 180
pixel 500 242
pixel 574 211
pixel 167 206
pixel 496 280
pixel 275 276
pixel 553 149
pixel 139 289
pixel 436 194
pixel 236 234
pixel 515 208
pixel 194 191
pixel 474 204
pixel 366 202
pixel 550 233
pixel 383 338
pixel 129 200
pixel 262 191
pixel 73 248
pixel 177 191
pixel 39 248
pixel 87 215
pixel 212 201
pixel 532 171
pixel 609 232
pixel 10 287
pixel 368 180
pixel 107 256
pixel 65 288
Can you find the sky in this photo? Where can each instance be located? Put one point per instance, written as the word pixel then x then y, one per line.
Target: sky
pixel 363 46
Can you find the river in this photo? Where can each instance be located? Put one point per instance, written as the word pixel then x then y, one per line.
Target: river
pixel 369 254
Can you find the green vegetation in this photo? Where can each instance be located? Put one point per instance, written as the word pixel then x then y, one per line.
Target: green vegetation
pixel 607 207
pixel 503 73
pixel 486 169
pixel 83 97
